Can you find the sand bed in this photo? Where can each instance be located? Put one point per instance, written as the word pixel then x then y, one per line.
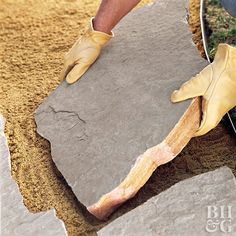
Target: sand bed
pixel 34 36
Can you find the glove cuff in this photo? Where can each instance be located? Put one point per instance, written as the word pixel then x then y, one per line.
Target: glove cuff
pixel 99 37
pixel 226 55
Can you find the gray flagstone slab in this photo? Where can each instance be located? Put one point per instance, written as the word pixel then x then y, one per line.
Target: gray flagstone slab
pixel 98 126
pixel 15 219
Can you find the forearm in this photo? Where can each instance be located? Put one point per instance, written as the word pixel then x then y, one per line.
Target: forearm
pixel 111 12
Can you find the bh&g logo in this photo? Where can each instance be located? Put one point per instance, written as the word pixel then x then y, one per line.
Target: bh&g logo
pixel 219 219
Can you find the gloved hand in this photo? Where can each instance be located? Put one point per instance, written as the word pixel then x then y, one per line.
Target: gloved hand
pixel 216 83
pixel 84 53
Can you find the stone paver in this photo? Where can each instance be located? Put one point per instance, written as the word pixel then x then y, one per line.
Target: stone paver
pixel 16 220
pixel 182 210
pixel 100 125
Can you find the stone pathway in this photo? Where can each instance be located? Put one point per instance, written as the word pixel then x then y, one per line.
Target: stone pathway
pixel 98 126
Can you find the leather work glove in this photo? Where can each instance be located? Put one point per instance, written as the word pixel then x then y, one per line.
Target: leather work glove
pixel 84 53
pixel 216 83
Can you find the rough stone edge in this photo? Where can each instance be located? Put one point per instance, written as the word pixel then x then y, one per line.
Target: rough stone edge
pixel 2 127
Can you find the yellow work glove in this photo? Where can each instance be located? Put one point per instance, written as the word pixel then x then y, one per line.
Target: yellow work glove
pixel 84 53
pixel 216 83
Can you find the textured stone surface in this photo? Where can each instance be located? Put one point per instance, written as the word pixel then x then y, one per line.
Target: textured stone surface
pixel 16 220
pixel 182 209
pixel 100 125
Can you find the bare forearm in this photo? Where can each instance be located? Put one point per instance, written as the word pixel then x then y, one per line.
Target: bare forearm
pixel 111 12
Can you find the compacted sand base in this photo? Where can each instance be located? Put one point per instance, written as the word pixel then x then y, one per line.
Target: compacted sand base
pixel 34 36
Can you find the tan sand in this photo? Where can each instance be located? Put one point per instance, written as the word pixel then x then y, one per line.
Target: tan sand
pixel 34 36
